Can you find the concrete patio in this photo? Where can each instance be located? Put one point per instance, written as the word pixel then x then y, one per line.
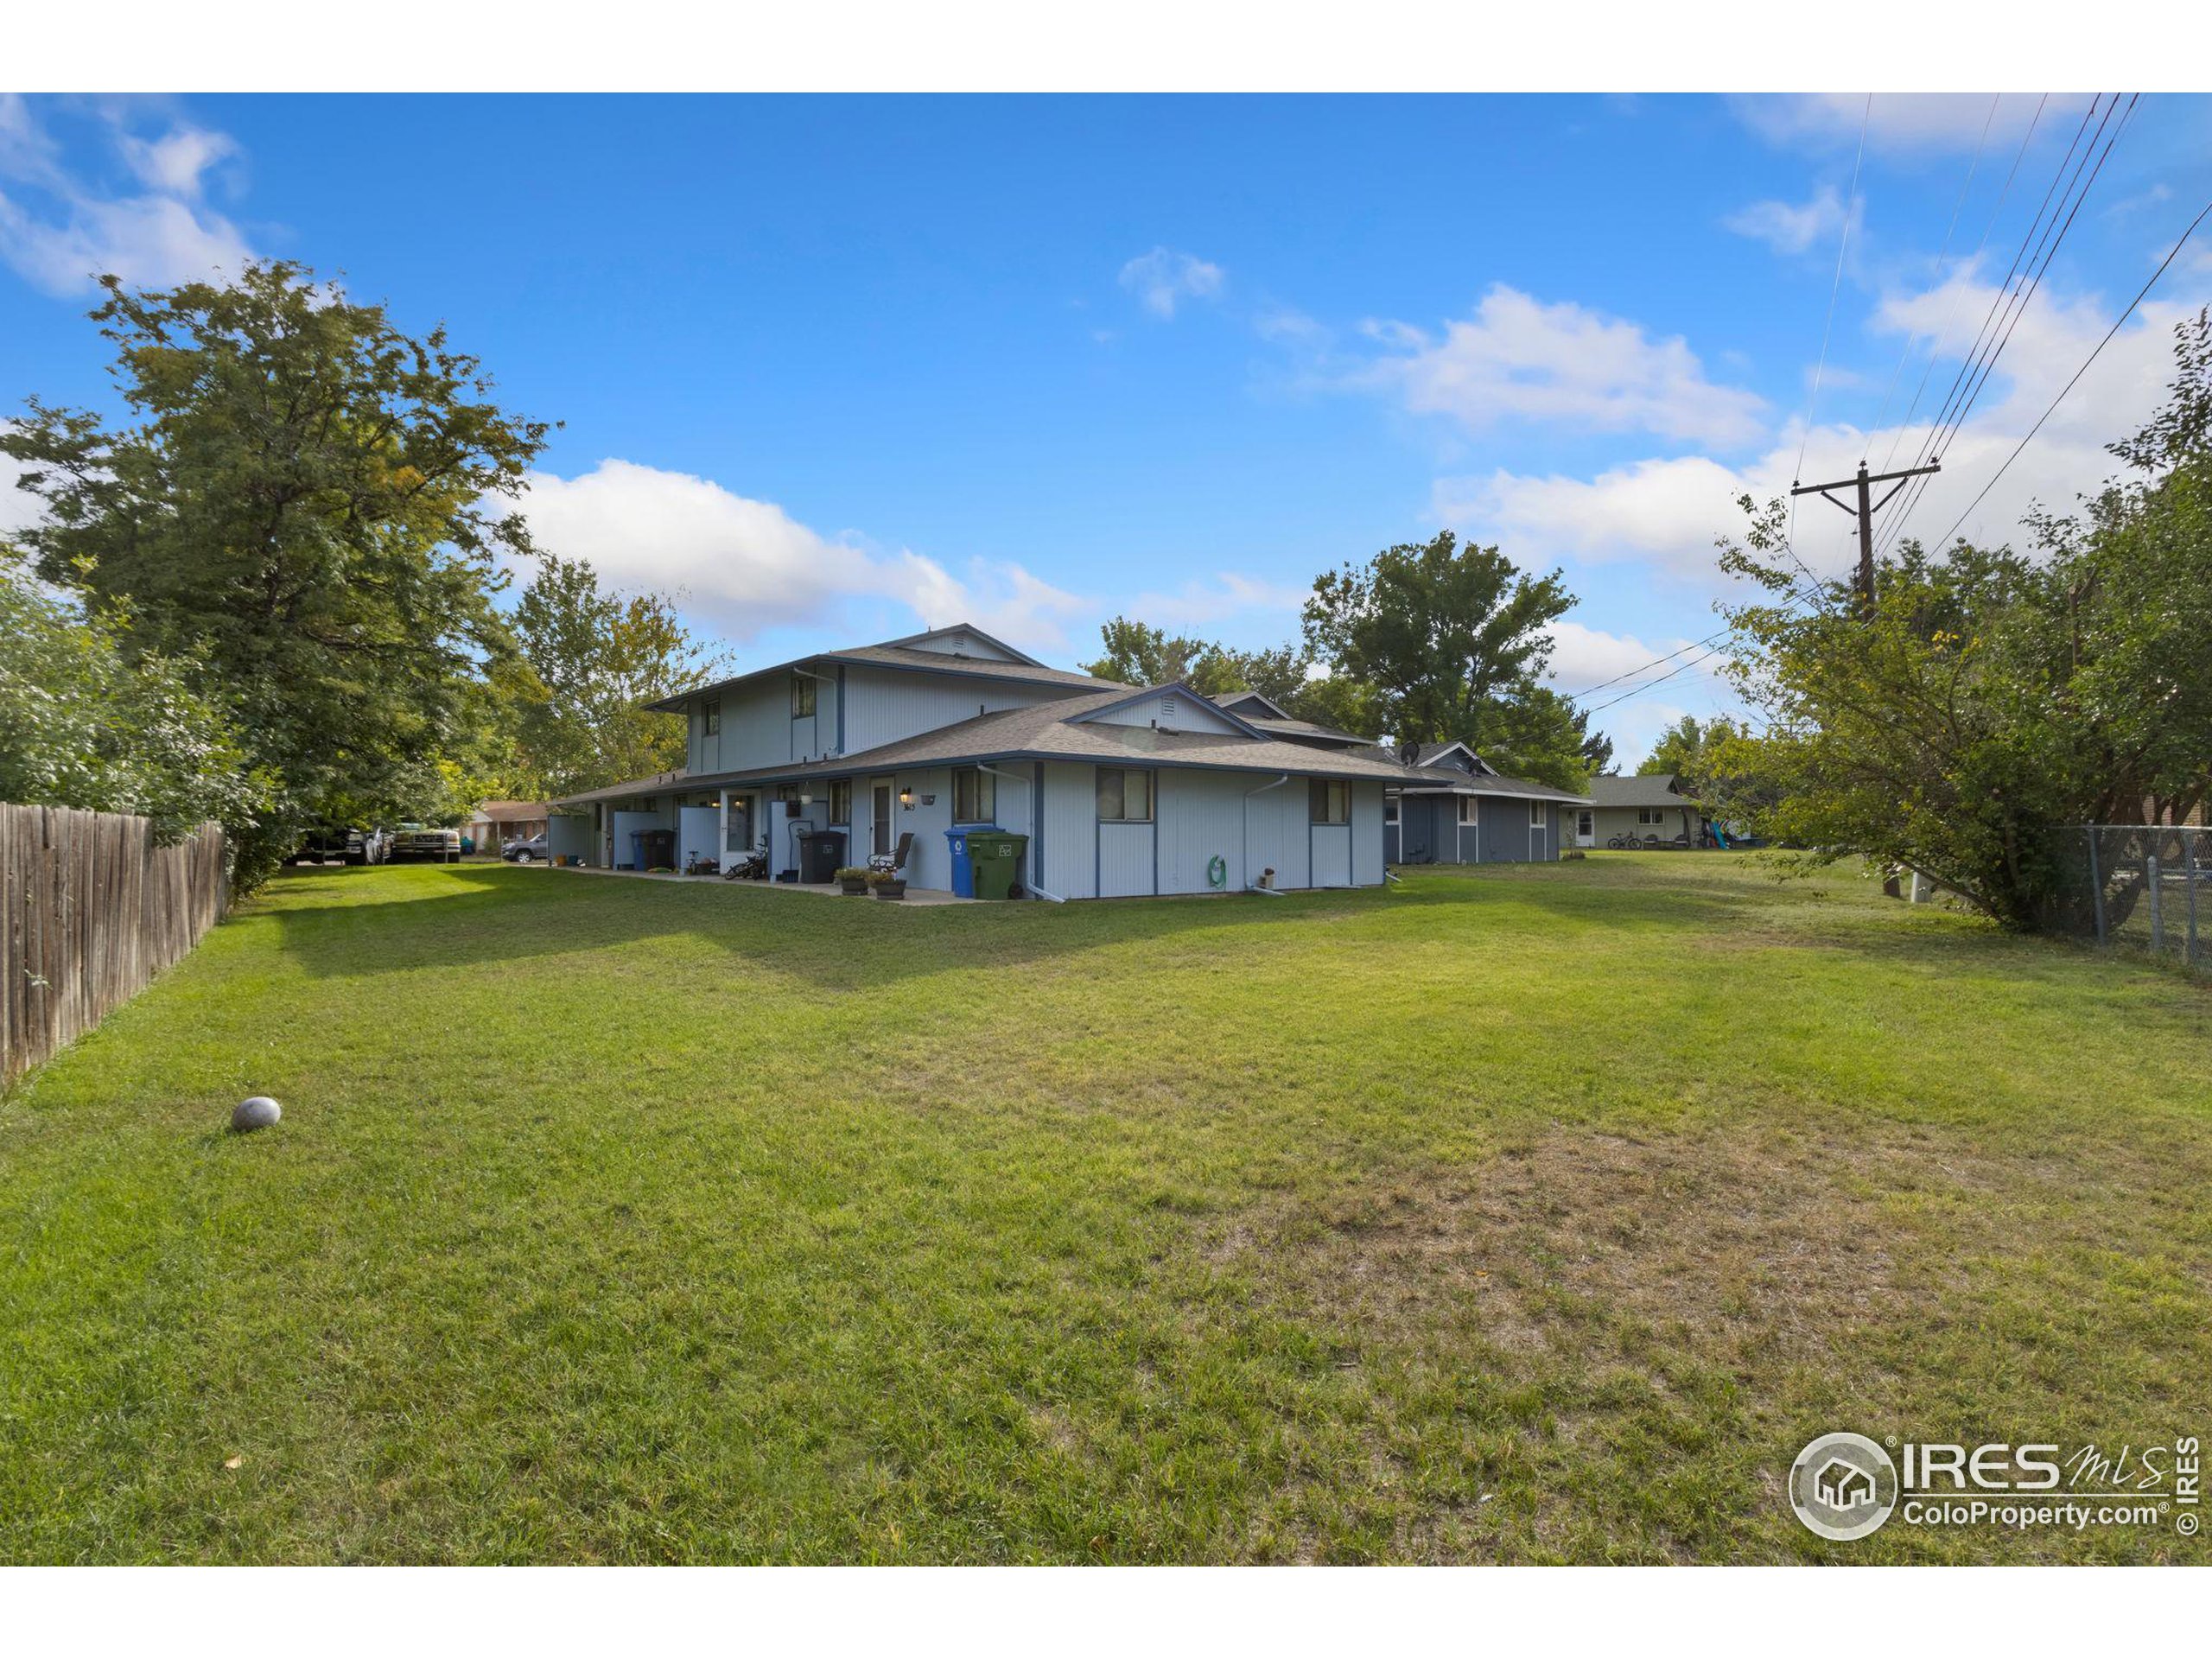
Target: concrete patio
pixel 821 889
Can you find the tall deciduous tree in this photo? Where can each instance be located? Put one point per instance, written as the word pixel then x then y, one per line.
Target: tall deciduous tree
pixel 589 661
pixel 305 502
pixel 1448 634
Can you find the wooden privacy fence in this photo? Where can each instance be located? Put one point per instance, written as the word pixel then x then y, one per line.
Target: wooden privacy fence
pixel 90 911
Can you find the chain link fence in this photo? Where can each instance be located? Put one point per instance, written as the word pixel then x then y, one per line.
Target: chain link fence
pixel 2148 885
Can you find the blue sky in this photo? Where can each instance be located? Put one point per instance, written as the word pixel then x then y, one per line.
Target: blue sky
pixel 835 367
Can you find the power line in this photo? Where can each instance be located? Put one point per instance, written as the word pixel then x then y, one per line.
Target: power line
pixel 1796 597
pixel 2078 373
pixel 1931 441
pixel 1820 365
pixel 1959 297
pixel 1950 230
pixel 2039 264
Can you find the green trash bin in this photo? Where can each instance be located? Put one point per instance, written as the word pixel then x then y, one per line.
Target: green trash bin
pixel 998 860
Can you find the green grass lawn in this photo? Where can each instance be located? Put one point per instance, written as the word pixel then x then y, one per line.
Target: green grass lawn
pixel 1524 1213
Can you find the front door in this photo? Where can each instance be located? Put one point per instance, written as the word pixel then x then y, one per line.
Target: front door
pixel 881 797
pixel 1586 828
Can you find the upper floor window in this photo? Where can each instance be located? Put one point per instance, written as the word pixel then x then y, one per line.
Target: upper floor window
pixel 1124 796
pixel 975 796
pixel 802 696
pixel 1468 809
pixel 713 717
pixel 1330 799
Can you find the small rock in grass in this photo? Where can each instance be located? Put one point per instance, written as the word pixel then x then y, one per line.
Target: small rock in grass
pixel 258 1113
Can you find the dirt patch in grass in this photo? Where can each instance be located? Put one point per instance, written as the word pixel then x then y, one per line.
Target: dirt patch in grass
pixel 1595 1336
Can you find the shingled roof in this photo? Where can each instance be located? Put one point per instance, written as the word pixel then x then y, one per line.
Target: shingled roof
pixel 1652 789
pixel 897 654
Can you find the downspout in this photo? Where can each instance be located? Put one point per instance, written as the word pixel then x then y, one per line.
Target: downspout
pixel 1013 777
pixel 1244 852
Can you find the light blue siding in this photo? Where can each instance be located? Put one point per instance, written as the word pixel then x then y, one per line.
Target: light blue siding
pixel 1331 850
pixel 1125 854
pixel 1201 817
pixel 1070 817
pixel 1173 711
pixel 882 706
pixel 1367 834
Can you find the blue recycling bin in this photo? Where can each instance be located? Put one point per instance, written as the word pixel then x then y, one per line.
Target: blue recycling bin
pixel 963 871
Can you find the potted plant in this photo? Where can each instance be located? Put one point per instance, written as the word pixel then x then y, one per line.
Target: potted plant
pixel 853 878
pixel 887 884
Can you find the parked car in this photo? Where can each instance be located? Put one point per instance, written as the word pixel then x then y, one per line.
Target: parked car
pixel 324 844
pixel 424 841
pixel 533 849
pixel 367 846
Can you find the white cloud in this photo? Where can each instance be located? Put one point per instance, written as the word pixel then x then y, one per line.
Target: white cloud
pixel 61 234
pixel 148 241
pixel 19 508
pixel 1664 512
pixel 1787 229
pixel 174 162
pixel 1164 278
pixel 1518 358
pixel 1217 599
pixel 1898 122
pixel 1585 657
pixel 746 567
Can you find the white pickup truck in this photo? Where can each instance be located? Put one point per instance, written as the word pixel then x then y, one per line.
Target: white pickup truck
pixel 422 840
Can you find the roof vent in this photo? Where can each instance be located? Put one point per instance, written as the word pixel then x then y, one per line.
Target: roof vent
pixel 1168 708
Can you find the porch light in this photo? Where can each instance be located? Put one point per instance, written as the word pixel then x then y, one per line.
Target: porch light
pixel 906 797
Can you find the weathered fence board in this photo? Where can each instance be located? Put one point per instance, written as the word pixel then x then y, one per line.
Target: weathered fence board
pixel 90 911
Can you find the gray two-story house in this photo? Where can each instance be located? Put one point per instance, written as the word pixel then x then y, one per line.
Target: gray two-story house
pixel 1122 791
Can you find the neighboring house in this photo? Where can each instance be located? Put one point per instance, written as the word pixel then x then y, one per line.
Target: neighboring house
pixel 1456 808
pixel 1122 791
pixel 496 823
pixel 1645 806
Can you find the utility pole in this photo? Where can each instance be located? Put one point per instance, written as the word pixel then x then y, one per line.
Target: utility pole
pixel 1865 512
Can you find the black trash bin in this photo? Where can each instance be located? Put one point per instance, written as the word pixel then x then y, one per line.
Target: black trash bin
pixel 820 854
pixel 654 849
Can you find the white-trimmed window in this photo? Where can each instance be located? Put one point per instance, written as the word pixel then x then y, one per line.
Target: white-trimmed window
pixel 1536 815
pixel 841 800
pixel 802 696
pixel 975 796
pixel 1329 800
pixel 1390 809
pixel 1124 795
pixel 1470 813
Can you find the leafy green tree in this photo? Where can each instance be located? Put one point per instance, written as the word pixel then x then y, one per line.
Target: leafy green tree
pixel 306 506
pixel 1538 734
pixel 1989 701
pixel 1450 635
pixel 589 661
pixel 86 721
pixel 1137 653
pixel 1687 749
